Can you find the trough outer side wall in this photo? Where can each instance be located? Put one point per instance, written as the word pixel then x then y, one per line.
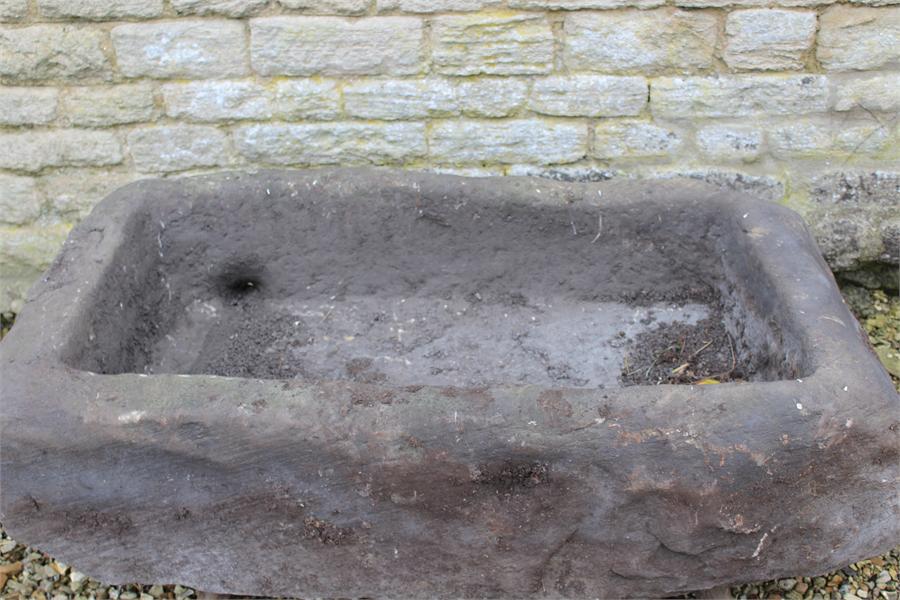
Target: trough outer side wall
pixel 795 101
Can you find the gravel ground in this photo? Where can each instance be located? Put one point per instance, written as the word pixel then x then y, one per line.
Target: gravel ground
pixel 29 573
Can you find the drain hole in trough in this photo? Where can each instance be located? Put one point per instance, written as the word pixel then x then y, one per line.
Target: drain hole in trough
pixel 239 281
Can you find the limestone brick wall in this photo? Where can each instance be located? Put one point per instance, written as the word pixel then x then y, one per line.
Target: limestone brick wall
pixel 795 101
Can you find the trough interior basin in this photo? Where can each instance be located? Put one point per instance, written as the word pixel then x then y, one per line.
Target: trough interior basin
pixel 401 288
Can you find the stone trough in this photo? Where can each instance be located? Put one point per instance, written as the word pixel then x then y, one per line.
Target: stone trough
pixel 384 384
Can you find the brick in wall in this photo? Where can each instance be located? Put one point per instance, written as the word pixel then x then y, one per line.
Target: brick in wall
pixel 299 99
pixel 855 38
pixel 177 148
pixel 27 105
pixel 403 99
pixel 634 139
pixel 100 106
pixel 226 8
pixel 100 9
pixel 33 151
pixel 187 48
pixel 13 10
pixel 589 95
pixel 336 46
pixel 653 41
pixel 738 95
pixel 768 39
pixel 510 142
pixel 20 201
pixel 730 142
pixel 435 6
pixel 491 97
pixel 216 100
pixel 331 143
pixel 328 7
pixel 40 52
pixel 493 45
pixel 582 4
pixel 878 93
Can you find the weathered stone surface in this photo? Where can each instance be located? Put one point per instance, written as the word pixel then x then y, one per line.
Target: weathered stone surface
pixel 335 46
pixel 760 187
pixel 822 138
pixel 71 193
pixel 41 52
pixel 27 105
pixel 20 201
pixel 100 10
pixel 854 217
pixel 434 6
pixel 216 100
pixel 768 39
pixel 177 148
pixel 328 7
pixel 401 99
pixel 188 48
pixel 855 38
pixel 749 3
pixel 13 10
pixel 372 470
pixel 306 99
pixel 738 95
pixel 582 4
pixel 730 142
pixel 520 44
pixel 97 106
pixel 227 8
pixel 649 41
pixel 876 93
pixel 489 97
pixel 634 139
pixel 589 95
pixel 331 143
pixel 515 141
pixel 24 253
pixel 34 150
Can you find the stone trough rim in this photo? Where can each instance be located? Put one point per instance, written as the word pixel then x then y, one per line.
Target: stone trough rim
pixel 78 404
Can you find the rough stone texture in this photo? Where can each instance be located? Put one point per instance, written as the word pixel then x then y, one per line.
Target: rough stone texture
pixel 768 39
pixel 434 6
pixel 108 105
pixel 100 9
pixel 72 193
pixel 216 100
pixel 738 95
pixel 40 52
pixel 27 106
pixel 623 139
pixel 878 93
pixel 405 99
pixel 854 38
pixel 854 217
pixel 589 95
pixel 339 7
pixel 20 201
pixel 227 8
pixel 383 489
pixel 486 97
pixel 181 49
pixel 521 44
pixel 820 138
pixel 522 140
pixel 582 4
pixel 25 252
pixel 162 149
pixel 34 150
pixel 13 10
pixel 335 46
pixel 759 187
pixel 649 41
pixel 306 99
pixel 331 143
pixel 730 142
pixel 749 3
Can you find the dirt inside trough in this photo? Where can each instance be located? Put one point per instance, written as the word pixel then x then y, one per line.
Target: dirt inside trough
pixel 425 289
